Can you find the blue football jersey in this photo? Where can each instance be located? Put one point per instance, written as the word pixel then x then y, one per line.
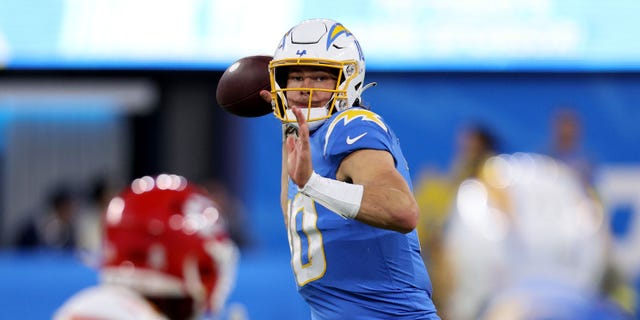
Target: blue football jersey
pixel 346 269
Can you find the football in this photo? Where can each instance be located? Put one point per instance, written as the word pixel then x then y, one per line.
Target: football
pixel 238 90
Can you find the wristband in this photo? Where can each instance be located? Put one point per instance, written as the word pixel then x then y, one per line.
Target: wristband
pixel 340 197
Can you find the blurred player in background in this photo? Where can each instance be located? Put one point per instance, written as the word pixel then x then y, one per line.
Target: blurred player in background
pixel 527 241
pixel 346 190
pixel 475 144
pixel 88 221
pixel 567 144
pixel 167 255
pixel 435 192
pixel 53 228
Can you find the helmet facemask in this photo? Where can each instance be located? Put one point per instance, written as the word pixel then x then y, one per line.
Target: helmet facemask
pixel 344 72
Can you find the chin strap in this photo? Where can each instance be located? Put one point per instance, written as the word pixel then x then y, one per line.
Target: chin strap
pixel 358 100
pixel 367 86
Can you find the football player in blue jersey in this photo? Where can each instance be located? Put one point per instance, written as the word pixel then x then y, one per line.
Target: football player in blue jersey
pixel 346 190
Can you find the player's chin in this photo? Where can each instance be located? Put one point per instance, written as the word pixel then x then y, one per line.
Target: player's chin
pixel 305 104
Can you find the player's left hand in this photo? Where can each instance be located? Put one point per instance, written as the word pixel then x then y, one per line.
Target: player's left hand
pixel 299 166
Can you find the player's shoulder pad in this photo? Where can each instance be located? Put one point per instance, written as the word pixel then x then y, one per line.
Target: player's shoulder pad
pixel 353 116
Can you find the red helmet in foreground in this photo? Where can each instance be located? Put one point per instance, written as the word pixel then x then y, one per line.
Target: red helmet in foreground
pixel 165 239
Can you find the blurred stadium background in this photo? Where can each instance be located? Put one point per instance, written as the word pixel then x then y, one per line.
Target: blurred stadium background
pixel 117 89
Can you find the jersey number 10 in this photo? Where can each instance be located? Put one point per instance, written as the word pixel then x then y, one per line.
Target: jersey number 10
pixel 305 241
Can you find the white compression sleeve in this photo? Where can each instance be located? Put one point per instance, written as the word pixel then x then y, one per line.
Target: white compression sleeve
pixel 340 197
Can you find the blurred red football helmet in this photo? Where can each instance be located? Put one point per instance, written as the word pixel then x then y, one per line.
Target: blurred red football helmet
pixel 165 239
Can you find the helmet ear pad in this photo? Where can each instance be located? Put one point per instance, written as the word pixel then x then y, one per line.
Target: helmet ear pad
pixel 280 105
pixel 281 77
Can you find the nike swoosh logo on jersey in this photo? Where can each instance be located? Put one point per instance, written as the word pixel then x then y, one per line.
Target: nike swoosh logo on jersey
pixel 353 140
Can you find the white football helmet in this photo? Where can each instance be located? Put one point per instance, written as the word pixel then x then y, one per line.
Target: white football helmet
pixel 318 43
